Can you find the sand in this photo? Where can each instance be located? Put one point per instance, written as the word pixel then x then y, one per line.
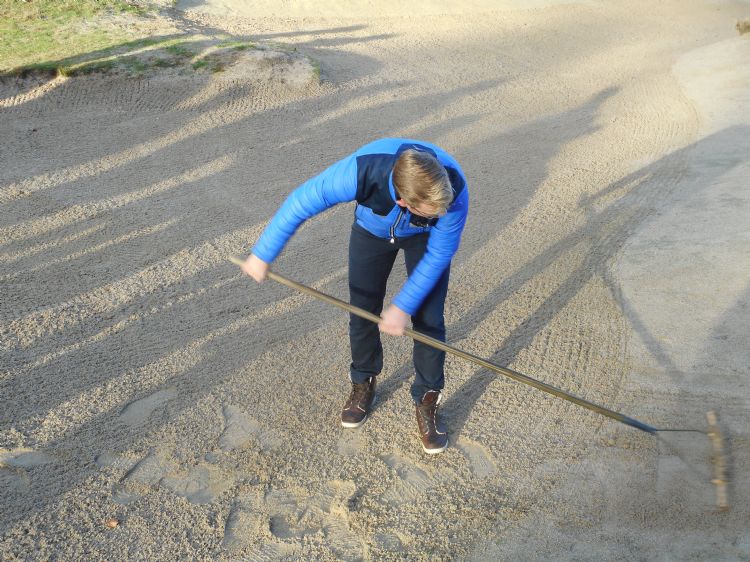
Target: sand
pixel 144 379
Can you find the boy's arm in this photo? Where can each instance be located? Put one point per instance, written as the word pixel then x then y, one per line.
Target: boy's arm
pixel 335 185
pixel 444 239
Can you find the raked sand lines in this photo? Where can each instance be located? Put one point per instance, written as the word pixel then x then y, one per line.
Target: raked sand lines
pixel 34 93
pixel 57 242
pixel 110 331
pixel 132 235
pixel 186 263
pixel 76 213
pixel 105 397
pixel 25 331
pixel 199 125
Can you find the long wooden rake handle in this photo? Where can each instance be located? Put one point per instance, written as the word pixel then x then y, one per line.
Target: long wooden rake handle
pixel 437 344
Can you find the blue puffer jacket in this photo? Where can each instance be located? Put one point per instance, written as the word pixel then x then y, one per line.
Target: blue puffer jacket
pixel 366 176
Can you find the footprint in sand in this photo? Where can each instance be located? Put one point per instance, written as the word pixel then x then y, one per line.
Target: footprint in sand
pixel 136 412
pixel 281 523
pixel 268 526
pixel 411 480
pixel 239 428
pixel 14 464
pixel 199 484
pixel 246 520
pixel 150 470
pixel 387 541
pixel 14 479
pixel 351 442
pixel 140 475
pixel 273 552
pixel 333 505
pixel 267 517
pixel 287 519
pixel 23 458
pixel 479 458
pixel 108 459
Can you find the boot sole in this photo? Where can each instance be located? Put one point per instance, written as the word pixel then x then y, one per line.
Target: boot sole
pixel 352 425
pixel 434 451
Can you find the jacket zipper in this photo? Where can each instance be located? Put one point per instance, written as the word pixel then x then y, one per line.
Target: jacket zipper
pixel 394 225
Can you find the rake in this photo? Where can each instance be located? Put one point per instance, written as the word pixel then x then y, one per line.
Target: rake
pixel 719 459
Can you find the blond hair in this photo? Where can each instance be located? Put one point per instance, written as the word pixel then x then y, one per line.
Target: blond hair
pixel 420 179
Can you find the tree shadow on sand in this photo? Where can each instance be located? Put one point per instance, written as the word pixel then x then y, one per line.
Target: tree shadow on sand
pixel 94 356
pixel 173 239
pixel 605 232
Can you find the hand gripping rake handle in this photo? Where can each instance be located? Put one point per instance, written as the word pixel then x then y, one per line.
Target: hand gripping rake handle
pixel 617 416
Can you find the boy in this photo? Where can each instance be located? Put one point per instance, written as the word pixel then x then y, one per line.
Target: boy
pixel 409 195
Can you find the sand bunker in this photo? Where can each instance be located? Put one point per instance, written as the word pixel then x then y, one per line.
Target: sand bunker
pixel 144 379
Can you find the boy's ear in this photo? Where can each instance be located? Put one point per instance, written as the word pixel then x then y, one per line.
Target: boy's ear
pixel 400 202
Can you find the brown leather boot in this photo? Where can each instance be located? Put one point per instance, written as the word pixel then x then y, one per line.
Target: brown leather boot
pixel 358 405
pixel 431 430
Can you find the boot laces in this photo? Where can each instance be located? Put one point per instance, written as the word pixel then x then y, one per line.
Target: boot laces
pixel 358 393
pixel 429 416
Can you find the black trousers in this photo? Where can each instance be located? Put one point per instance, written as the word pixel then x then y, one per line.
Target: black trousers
pixel 370 263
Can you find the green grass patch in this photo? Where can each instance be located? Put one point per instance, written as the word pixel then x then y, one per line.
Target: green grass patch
pixel 75 37
pixel 134 65
pixel 237 45
pixel 33 32
pixel 210 62
pixel 132 57
pixel 138 56
pixel 284 47
pixel 179 50
pixel 316 68
pixel 163 63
